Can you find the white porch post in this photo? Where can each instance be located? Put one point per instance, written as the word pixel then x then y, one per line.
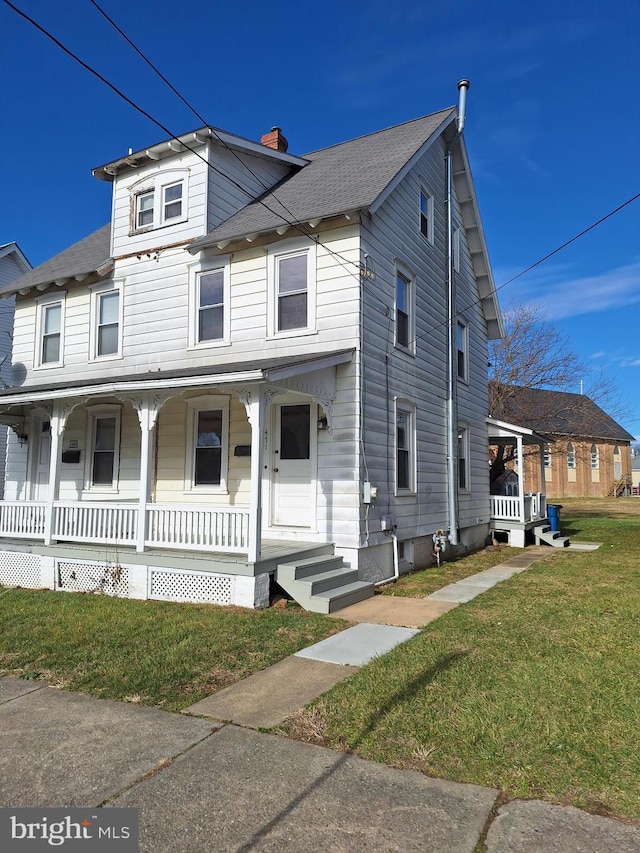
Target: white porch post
pixel 520 453
pixel 256 402
pixel 147 409
pixel 58 423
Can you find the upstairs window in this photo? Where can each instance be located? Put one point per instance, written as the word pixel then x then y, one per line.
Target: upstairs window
pixel 547 456
pixel 463 458
pixel 172 201
pixel 292 291
pixel 571 455
pixel 144 209
pixel 426 215
pixel 403 300
pixel 49 331
pixel 159 200
pixel 462 349
pixel 405 448
pixel 106 320
pixel 595 457
pixel 211 306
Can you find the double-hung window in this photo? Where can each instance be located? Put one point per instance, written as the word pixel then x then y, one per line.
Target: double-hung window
pixel 172 201
pixel 462 350
pixel 209 296
pixel 103 448
pixel 49 331
pixel 208 439
pixel 571 455
pixel 426 215
pixel 595 457
pixel 106 321
pixel 292 291
pixel 144 209
pixel 405 448
pixel 404 309
pixel 211 306
pixel 463 458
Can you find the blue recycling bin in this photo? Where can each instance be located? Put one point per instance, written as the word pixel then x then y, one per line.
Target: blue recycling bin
pixel 553 514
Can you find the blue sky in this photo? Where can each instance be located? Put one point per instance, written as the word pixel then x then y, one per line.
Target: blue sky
pixel 553 122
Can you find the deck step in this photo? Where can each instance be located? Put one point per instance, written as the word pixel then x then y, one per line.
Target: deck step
pixel 322 584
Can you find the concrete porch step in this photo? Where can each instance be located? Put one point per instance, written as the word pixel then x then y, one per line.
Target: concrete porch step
pixel 322 584
pixel 543 533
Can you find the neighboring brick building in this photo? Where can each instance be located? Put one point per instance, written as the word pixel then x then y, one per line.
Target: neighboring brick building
pixel 588 454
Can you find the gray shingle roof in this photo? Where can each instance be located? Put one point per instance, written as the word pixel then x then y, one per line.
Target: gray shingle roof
pixel 560 413
pixel 80 259
pixel 344 177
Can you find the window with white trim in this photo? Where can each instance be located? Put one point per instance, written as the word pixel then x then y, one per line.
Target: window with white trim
pixel 426 215
pixel 571 455
pixel 209 297
pixel 595 457
pixel 463 458
pixel 106 321
pixel 462 350
pixel 405 448
pixel 292 292
pixel 103 448
pixel 207 444
pixel 50 331
pixel 159 200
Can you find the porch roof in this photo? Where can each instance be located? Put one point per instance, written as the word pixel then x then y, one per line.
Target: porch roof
pixel 501 432
pixel 261 370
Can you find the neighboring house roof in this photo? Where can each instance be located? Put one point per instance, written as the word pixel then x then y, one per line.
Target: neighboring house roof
pixel 560 413
pixel 12 249
pixel 78 261
pixel 346 177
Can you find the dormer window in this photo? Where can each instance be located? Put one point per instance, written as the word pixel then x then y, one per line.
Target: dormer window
pixel 159 200
pixel 144 209
pixel 172 201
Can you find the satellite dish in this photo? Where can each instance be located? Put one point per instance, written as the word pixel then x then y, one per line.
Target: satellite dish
pixel 17 375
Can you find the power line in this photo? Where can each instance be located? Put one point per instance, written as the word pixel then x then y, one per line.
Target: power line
pixel 341 259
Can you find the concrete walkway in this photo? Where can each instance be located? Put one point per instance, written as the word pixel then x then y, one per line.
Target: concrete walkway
pixel 267 698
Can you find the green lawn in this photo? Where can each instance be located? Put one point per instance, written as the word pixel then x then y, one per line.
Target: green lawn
pixel 533 688
pixel 153 652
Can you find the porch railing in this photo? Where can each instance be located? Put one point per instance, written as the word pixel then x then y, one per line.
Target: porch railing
pixel 95 522
pixel 508 508
pixel 198 528
pixel 22 518
pixel 204 528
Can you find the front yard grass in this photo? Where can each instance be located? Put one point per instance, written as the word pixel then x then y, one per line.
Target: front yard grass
pixel 152 652
pixel 532 688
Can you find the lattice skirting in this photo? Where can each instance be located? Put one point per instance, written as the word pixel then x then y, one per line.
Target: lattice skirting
pixel 35 571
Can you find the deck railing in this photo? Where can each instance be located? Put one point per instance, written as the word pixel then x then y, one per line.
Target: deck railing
pixel 203 528
pixel 509 508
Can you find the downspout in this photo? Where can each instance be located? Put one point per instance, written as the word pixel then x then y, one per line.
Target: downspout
pixel 396 564
pixel 452 377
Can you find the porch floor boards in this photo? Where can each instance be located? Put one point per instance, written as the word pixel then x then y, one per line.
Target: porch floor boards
pixel 273 551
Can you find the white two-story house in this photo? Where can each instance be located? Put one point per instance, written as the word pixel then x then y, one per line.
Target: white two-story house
pixel 265 369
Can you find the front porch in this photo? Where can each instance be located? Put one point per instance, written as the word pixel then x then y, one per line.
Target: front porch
pixel 515 512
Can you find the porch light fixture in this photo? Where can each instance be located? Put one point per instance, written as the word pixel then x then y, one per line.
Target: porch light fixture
pixel 323 423
pixel 22 439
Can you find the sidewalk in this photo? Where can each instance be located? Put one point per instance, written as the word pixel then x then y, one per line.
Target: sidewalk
pixel 211 786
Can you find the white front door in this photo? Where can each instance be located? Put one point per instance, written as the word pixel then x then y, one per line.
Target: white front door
pixel 293 454
pixel 42 457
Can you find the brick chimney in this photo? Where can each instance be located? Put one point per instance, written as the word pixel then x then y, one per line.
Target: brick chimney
pixel 275 139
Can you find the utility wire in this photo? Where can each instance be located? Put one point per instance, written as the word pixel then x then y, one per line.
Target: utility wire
pixel 341 259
